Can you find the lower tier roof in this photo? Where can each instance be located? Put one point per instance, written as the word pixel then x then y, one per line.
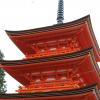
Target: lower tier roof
pixel 86 93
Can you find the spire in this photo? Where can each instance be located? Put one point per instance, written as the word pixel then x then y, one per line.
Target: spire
pixel 60 13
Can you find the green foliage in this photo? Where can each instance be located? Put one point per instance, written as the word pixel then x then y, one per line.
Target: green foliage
pixel 2 81
pixel 2 75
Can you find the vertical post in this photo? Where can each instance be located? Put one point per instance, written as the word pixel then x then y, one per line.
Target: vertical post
pixel 60 13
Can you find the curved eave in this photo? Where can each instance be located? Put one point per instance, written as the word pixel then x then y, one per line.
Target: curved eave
pixel 46 59
pixel 87 89
pixel 68 57
pixel 14 68
pixel 50 28
pixel 85 20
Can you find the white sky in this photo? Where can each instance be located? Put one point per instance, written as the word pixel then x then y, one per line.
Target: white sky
pixel 28 14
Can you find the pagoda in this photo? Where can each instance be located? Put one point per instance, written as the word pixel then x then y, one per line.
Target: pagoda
pixel 60 62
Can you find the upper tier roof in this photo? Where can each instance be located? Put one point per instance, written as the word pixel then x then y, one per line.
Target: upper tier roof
pixel 81 29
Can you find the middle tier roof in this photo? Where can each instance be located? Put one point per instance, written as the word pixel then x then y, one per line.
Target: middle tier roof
pixel 81 63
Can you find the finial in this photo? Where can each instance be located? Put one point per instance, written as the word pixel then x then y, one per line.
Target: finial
pixel 60 13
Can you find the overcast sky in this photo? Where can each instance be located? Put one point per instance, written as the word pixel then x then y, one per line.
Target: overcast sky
pixel 28 14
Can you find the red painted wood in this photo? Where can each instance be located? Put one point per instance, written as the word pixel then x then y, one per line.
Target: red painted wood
pixel 81 68
pixel 28 41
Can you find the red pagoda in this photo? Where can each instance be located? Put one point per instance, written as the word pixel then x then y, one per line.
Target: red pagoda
pixel 61 62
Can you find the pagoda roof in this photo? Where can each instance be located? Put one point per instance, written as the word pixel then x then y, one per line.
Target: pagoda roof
pixel 47 59
pixel 80 28
pixel 91 92
pixel 51 28
pixel 84 61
